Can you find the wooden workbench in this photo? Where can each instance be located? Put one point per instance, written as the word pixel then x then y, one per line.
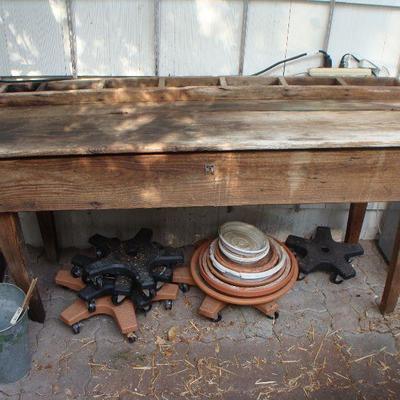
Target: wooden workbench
pixel 178 142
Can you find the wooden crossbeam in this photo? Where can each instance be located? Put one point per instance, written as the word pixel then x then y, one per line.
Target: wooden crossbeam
pixel 172 89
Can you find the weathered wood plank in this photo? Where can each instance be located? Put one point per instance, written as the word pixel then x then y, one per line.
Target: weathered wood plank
pixel 49 234
pixel 392 287
pixel 179 180
pixel 29 135
pixel 3 266
pixel 183 107
pixel 13 248
pixel 355 222
pixel 201 93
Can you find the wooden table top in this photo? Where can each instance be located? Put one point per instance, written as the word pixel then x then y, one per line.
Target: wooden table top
pixel 186 127
pixel 183 114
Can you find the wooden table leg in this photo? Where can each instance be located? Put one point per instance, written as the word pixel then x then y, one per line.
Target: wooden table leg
pixel 49 234
pixel 2 267
pixel 13 248
pixel 392 287
pixel 355 222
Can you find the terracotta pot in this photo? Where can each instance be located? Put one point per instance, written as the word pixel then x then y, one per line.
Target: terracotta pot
pixel 210 291
pixel 251 275
pixel 263 265
pixel 244 282
pixel 237 291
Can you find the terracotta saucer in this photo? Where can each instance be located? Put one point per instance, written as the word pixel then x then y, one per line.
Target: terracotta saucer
pixel 210 291
pixel 264 264
pixel 243 282
pixel 240 291
pixel 250 275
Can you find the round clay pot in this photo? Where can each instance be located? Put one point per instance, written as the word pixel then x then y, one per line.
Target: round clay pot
pixel 268 262
pixel 195 271
pixel 249 275
pixel 244 282
pixel 237 291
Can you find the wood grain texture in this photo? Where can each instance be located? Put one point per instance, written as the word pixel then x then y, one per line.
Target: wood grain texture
pixel 49 234
pixel 180 180
pixel 172 94
pixel 114 37
pixel 30 135
pixel 200 37
pixel 183 107
pixel 13 248
pixel 392 287
pixel 355 222
pixel 3 267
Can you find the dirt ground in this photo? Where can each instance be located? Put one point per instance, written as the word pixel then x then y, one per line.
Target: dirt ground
pixel 329 342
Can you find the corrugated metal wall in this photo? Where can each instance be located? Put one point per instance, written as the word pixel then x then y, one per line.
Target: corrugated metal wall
pixel 192 37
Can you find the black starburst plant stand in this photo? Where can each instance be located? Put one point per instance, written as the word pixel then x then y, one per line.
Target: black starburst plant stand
pixel 323 253
pixel 134 269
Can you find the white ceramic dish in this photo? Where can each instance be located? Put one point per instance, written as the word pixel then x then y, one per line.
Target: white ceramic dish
pixel 243 239
pixel 241 259
pixel 250 275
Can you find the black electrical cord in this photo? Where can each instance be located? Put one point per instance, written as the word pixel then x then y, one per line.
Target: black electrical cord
pixel 327 63
pixel 327 59
pixel 34 79
pixel 342 60
pixel 280 62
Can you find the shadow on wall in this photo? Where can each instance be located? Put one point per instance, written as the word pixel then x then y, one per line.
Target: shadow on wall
pixel 32 38
pixel 179 226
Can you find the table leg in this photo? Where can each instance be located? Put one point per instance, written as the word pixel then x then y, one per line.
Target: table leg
pixel 13 248
pixel 2 267
pixel 355 222
pixel 49 234
pixel 392 287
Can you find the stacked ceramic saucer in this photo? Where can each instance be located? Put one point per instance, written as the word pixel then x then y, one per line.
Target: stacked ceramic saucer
pixel 244 266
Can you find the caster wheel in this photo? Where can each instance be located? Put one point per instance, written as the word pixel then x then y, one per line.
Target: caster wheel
pixel 76 271
pixel 274 316
pixel 336 279
pixel 168 304
pixel 131 337
pixel 301 276
pixel 76 328
pixel 98 282
pixel 147 308
pixel 184 287
pixel 92 306
pixel 219 317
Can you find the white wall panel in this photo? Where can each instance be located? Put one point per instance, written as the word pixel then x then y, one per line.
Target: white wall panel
pixel 266 39
pixel 307 28
pixel 33 35
pixel 200 37
pixel 368 32
pixel 114 37
pixel 282 29
pixel 4 56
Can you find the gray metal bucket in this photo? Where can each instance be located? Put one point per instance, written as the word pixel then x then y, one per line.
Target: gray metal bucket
pixel 15 358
